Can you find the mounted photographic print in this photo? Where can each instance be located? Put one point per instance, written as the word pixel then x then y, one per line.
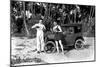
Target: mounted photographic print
pixel 51 33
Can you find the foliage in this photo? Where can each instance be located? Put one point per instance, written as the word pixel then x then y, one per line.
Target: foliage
pixel 49 13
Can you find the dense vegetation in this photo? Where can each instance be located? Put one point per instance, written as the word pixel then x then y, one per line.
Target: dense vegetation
pixel 25 14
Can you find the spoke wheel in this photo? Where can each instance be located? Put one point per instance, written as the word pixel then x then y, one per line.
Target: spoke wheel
pixel 79 44
pixel 50 47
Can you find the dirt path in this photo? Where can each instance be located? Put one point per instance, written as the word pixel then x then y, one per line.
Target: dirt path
pixel 25 48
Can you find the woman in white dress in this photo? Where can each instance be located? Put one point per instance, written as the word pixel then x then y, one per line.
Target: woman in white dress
pixel 40 36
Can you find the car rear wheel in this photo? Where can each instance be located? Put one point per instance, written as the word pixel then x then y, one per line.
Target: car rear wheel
pixel 50 47
pixel 79 44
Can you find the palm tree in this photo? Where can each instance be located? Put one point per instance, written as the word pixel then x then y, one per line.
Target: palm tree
pixel 25 20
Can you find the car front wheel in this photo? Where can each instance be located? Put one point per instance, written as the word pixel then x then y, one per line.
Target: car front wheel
pixel 50 47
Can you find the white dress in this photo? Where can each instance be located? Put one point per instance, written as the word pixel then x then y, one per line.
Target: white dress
pixel 40 36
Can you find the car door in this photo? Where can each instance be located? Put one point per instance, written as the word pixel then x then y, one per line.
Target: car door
pixel 69 35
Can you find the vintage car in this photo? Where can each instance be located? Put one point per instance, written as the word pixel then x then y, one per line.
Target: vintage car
pixel 72 36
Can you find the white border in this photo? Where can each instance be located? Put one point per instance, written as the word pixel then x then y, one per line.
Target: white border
pixel 5 33
pixel 82 2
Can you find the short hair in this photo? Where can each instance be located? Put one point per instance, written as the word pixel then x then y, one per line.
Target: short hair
pixel 55 22
pixel 40 21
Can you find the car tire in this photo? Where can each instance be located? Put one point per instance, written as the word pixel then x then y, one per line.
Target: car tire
pixel 79 43
pixel 50 47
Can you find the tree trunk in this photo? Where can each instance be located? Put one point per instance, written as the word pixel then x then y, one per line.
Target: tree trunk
pixel 25 20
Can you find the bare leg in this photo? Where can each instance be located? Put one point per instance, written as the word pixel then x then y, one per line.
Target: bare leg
pixel 57 46
pixel 61 46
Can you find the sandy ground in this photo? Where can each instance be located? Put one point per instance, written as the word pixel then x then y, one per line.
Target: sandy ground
pixel 24 48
